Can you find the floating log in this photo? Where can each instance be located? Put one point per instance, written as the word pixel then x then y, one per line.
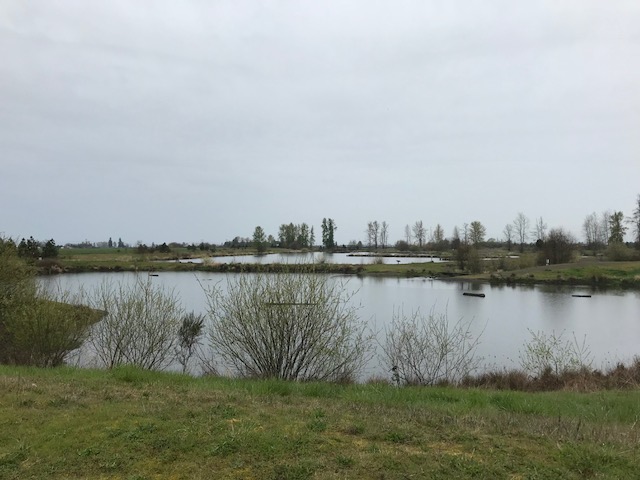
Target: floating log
pixel 470 294
pixel 581 296
pixel 153 275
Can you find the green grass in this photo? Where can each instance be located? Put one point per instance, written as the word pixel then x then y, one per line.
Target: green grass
pixel 69 423
pixel 585 272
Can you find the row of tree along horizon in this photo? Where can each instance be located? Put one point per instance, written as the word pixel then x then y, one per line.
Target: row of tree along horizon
pixel 599 231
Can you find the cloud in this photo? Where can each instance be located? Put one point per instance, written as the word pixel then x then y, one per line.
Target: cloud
pixel 271 112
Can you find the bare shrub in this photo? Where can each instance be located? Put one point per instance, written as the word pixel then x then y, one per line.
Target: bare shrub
pixel 499 380
pixel 428 350
pixel 377 260
pixel 550 354
pixel 139 327
pixel 288 326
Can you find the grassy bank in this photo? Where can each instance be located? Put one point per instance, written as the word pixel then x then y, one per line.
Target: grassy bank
pixel 68 423
pixel 589 271
pixel 123 260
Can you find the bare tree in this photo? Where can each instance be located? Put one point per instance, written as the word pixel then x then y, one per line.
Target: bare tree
pixel 635 223
pixel 375 233
pixel 508 235
pixel 384 234
pixel 605 230
pixel 370 234
pixel 419 233
pixel 288 326
pixel 407 234
pixel 521 227
pixel 140 325
pixel 592 231
pixel 438 235
pixel 425 350
pixel 373 229
pixel 539 231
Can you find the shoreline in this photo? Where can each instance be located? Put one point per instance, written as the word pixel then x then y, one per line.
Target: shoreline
pixel 565 275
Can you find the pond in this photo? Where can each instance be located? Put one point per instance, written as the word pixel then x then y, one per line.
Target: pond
pixel 359 258
pixel 608 321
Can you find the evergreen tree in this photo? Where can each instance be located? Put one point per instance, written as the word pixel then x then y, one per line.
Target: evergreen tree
pixel 29 248
pixel 616 228
pixel 328 229
pixel 50 250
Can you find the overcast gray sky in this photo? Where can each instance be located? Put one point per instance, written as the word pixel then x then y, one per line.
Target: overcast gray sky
pixel 198 120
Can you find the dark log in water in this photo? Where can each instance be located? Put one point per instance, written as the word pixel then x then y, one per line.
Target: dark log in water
pixel 469 294
pixel 581 296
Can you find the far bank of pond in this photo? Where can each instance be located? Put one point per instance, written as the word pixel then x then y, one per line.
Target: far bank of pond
pixel 587 272
pixel 607 321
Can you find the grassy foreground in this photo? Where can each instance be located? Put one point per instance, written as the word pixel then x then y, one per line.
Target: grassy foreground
pixel 70 423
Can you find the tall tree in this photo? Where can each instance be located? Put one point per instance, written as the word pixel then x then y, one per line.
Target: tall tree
pixel 328 229
pixel 384 234
pixel 540 230
pixel 407 234
pixel 477 231
pixel 376 233
pixel 635 223
pixel 303 235
pixel 605 228
pixel 437 238
pixel 455 238
pixel 331 225
pixel 312 238
pixel 372 234
pixel 508 235
pixel 419 233
pixel 28 248
pixel 592 231
pixel 259 240
pixel 50 250
pixel 616 228
pixel 521 227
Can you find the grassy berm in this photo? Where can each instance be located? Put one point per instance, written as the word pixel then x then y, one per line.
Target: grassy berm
pixel 125 423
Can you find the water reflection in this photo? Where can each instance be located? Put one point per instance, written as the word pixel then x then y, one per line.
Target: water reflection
pixel 360 258
pixel 609 319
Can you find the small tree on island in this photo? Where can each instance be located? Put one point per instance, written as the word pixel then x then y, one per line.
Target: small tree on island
pixel 259 240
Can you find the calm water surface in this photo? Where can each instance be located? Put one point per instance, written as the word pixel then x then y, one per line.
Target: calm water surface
pixel 609 320
pixel 316 257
